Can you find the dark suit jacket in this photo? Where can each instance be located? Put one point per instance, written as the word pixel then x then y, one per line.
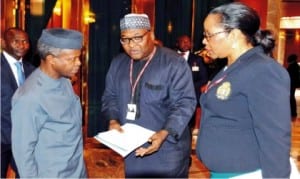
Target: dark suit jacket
pixel 199 72
pixel 8 87
pixel 293 70
pixel 245 119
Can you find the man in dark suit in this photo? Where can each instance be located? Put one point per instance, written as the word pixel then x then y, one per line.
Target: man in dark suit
pixel 293 69
pixel 16 45
pixel 197 66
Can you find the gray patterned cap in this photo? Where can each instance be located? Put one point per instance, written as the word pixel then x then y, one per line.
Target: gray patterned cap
pixel 135 21
pixel 62 38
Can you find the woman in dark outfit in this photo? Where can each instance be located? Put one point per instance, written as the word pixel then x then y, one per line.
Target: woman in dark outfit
pixel 245 126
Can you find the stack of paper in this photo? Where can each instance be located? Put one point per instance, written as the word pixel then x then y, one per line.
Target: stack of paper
pixel 125 142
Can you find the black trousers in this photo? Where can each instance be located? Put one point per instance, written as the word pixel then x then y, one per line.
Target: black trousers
pixel 6 160
pixel 293 102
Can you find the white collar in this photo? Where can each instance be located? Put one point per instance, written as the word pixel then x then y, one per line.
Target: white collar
pixel 186 54
pixel 10 59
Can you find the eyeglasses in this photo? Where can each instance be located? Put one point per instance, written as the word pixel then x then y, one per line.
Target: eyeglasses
pixel 135 39
pixel 209 36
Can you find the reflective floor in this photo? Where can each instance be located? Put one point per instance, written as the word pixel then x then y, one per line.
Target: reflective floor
pixel 104 163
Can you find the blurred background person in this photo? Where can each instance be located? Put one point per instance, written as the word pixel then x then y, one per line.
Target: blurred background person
pixel 293 69
pixel 15 46
pixel 198 69
pixel 213 66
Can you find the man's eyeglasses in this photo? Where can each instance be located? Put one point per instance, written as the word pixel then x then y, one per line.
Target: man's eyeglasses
pixel 209 36
pixel 135 39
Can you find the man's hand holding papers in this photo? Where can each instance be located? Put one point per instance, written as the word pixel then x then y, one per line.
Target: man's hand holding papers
pixel 131 137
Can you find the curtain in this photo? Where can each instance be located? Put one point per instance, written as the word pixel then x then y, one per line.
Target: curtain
pixel 172 19
pixel 104 45
pixel 177 14
pixel 34 27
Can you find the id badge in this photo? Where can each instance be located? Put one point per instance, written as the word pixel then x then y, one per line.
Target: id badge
pixel 195 68
pixel 131 111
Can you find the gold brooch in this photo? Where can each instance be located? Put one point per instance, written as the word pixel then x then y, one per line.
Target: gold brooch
pixel 223 91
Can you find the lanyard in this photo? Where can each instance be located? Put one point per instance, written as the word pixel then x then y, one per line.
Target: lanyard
pixel 133 86
pixel 210 85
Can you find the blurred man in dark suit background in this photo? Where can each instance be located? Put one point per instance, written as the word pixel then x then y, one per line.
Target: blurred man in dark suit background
pixel 15 46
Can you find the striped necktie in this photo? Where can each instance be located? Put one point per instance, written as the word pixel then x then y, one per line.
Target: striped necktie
pixel 21 76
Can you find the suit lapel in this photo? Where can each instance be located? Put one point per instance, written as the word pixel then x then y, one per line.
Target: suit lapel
pixel 27 69
pixel 7 70
pixel 190 59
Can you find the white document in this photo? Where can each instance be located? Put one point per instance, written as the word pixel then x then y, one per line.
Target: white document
pixel 295 173
pixel 132 137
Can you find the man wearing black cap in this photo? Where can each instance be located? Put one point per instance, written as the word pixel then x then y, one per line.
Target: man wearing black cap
pixel 157 84
pixel 46 113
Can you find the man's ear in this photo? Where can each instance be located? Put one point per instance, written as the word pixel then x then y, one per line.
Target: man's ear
pixel 50 59
pixel 152 35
